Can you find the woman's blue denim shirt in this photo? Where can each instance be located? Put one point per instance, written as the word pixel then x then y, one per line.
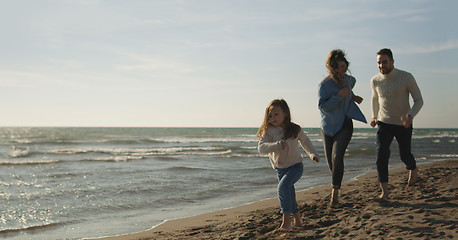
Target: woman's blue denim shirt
pixel 333 108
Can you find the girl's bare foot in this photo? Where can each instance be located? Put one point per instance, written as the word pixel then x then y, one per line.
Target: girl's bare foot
pixel 286 223
pixel 297 220
pixel 413 176
pixel 284 229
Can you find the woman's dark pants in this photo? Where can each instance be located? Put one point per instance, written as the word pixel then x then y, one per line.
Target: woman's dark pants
pixel 334 150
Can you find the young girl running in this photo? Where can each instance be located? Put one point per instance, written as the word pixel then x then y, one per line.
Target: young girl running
pixel 279 137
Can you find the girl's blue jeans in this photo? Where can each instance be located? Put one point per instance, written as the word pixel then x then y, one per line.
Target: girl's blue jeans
pixel 287 177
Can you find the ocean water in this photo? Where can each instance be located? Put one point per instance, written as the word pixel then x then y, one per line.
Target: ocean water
pixel 72 183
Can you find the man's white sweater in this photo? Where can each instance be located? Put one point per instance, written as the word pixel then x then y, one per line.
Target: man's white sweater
pixel 390 96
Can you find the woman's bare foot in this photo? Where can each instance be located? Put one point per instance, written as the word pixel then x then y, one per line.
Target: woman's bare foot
pixel 385 192
pixel 413 177
pixel 335 197
pixel 384 196
pixel 297 220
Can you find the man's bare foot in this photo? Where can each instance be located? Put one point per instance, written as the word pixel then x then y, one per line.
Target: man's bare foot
pixel 413 177
pixel 297 220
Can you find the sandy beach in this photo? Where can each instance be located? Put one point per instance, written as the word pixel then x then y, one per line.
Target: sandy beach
pixel 427 210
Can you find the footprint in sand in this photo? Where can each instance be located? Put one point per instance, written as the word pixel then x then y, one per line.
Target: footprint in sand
pixel 327 223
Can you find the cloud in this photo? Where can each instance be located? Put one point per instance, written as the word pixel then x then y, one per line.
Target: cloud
pixel 149 63
pixel 11 78
pixel 431 48
pixel 417 19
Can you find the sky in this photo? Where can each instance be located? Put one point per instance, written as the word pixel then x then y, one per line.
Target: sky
pixel 212 63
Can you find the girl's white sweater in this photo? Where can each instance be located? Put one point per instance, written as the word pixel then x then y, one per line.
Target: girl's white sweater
pixel 282 158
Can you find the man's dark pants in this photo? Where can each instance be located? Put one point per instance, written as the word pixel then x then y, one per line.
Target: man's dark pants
pixel 385 134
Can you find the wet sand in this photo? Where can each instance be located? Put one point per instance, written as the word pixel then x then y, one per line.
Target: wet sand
pixel 427 210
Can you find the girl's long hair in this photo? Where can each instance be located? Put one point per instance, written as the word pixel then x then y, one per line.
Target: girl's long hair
pixel 290 129
pixel 335 56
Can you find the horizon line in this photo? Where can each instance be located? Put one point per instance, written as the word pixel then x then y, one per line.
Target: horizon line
pixel 68 126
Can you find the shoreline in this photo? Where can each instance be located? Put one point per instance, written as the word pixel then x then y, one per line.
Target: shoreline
pixel 360 214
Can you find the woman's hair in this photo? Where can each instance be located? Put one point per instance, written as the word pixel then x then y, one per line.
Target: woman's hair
pixel 290 129
pixel 332 60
